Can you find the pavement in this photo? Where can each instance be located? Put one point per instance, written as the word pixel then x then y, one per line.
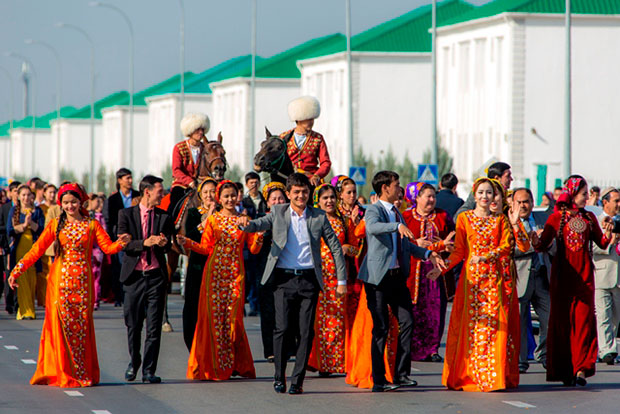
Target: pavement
pixel 19 342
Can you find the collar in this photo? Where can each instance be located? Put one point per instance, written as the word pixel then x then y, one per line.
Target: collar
pixel 388 206
pixel 144 209
pixel 294 214
pixel 125 196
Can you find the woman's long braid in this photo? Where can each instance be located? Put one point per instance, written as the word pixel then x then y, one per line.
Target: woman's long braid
pixel 16 213
pixel 61 223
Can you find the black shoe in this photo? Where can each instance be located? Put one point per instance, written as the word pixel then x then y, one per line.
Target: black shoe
pixel 295 389
pixel 523 368
pixel 544 364
pixel 581 381
pixel 117 304
pixel 405 381
pixel 323 374
pixel 384 387
pixel 436 358
pixel 271 359
pixel 153 379
pixel 130 374
pixel 279 387
pixel 609 359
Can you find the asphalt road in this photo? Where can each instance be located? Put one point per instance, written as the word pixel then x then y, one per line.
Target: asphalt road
pixel 19 347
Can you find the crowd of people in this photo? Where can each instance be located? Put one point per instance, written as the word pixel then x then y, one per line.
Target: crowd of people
pixel 340 285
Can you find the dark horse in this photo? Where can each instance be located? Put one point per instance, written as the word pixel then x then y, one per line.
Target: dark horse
pixel 272 158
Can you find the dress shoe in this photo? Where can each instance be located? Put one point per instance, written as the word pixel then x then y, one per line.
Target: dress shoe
pixel 153 379
pixel 436 358
pixel 405 381
pixel 544 364
pixel 323 374
pixel 384 387
pixel 130 374
pixel 523 368
pixel 279 387
pixel 295 389
pixel 271 359
pixel 609 359
pixel 581 380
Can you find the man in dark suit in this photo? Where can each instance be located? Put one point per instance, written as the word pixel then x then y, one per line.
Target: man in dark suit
pixel 294 262
pixel 144 275
pixel 122 198
pixel 384 272
pixel 4 244
pixel 447 199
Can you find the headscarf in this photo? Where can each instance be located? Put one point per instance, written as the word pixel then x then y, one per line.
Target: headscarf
pixel 206 180
pixel 218 189
pixel 480 181
pixel 497 185
pixel 569 191
pixel 411 192
pixel 76 189
pixel 272 186
pixel 338 182
pixel 315 195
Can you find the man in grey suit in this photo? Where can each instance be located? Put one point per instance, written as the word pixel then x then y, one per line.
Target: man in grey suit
pixel 607 283
pixel 533 273
pixel 294 264
pixel 499 171
pixel 384 272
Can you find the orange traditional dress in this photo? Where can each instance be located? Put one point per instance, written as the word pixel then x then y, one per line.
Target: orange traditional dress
pixel 354 286
pixel 331 333
pixel 484 334
pixel 220 347
pixel 68 351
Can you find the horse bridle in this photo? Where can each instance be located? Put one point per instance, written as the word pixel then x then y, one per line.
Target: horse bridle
pixel 280 159
pixel 212 160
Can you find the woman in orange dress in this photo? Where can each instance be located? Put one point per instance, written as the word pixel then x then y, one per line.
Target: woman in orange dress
pixel 220 348
pixel 483 338
pixel 68 351
pixel 328 355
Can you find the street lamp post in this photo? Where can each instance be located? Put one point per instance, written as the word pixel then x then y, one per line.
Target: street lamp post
pixel 253 80
pixel 92 98
pixel 7 74
pixel 182 55
pixel 349 82
pixel 567 108
pixel 434 143
pixel 58 93
pixel 34 99
pixel 131 70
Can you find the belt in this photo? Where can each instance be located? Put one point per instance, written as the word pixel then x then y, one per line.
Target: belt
pixel 397 271
pixel 296 272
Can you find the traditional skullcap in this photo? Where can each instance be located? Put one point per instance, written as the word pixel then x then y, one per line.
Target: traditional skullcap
pixel 206 180
pixel 272 186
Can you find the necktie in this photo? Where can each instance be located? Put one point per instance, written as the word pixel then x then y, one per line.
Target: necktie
pixel 149 230
pixel 530 225
pixel 398 239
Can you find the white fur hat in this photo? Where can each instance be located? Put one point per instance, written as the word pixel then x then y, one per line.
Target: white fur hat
pixel 304 107
pixel 193 121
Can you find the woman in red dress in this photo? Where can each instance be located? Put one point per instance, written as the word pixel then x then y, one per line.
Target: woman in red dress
pixel 571 337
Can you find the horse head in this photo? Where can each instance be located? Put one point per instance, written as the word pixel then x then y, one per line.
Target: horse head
pixel 272 154
pixel 213 163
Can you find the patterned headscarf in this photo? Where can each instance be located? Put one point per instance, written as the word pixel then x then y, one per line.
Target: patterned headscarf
pixel 497 185
pixel 75 188
pixel 480 181
pixel 272 186
pixel 569 191
pixel 411 192
pixel 206 180
pixel 315 195
pixel 338 183
pixel 218 189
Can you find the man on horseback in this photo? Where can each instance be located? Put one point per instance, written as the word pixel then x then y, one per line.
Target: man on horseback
pixel 186 156
pixel 305 147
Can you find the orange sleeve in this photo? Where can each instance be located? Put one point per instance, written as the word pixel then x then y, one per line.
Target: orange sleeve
pixel 461 248
pixel 255 242
pixel 505 246
pixel 522 239
pixel 44 241
pixel 103 240
pixel 205 247
pixel 360 229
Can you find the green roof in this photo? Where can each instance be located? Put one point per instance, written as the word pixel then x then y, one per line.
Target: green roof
pixel 284 65
pixel 170 85
pixel 200 83
pixel 4 129
pixel 117 98
pixel 538 6
pixel 42 121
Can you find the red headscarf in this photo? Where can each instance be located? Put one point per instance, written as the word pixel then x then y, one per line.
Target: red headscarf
pixel 569 191
pixel 76 189
pixel 218 189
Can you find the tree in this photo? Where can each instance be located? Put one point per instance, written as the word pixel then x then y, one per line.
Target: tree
pixel 444 161
pixel 167 176
pixel 66 175
pixel 101 181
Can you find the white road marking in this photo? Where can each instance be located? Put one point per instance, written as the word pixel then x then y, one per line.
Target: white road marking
pixel 11 347
pixel 101 412
pixel 519 404
pixel 415 369
pixel 74 393
pixel 0 336
pixel 29 361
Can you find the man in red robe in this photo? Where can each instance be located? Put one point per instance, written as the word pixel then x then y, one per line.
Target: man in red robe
pixel 186 156
pixel 306 148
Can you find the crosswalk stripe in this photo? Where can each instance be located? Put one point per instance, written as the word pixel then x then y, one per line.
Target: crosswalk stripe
pixel 74 393
pixel 11 347
pixel 29 361
pixel 101 412
pixel 519 404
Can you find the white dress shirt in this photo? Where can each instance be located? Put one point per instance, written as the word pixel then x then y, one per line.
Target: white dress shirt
pixel 299 140
pixel 296 253
pixel 392 217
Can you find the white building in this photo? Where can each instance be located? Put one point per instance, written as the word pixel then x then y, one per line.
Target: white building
pixel 501 90
pixel 30 160
pixel 116 145
pixel 74 156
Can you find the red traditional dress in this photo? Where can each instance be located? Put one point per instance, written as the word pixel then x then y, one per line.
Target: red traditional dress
pixel 425 293
pixel 312 158
pixel 220 348
pixel 571 336
pixel 331 333
pixel 68 351
pixel 184 169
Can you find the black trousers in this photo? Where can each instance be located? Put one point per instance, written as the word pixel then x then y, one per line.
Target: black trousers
pixel 193 282
pixel 176 194
pixel 392 292
pixel 295 299
pixel 267 318
pixel 145 294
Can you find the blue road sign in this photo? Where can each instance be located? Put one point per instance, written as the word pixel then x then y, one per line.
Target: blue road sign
pixel 428 173
pixel 3 182
pixel 358 174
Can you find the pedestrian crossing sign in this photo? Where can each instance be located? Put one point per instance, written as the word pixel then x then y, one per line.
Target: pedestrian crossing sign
pixel 428 173
pixel 358 174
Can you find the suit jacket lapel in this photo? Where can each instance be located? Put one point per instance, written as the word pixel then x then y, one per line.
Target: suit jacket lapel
pixel 156 217
pixel 136 217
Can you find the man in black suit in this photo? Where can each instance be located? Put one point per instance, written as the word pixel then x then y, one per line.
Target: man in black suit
pixel 144 275
pixel 4 244
pixel 447 199
pixel 122 198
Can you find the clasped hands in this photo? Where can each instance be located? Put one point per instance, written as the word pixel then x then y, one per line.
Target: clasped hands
pixel 155 240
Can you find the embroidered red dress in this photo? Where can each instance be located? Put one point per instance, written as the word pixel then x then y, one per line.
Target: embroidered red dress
pixel 571 336
pixel 183 165
pixel 330 327
pixel 220 347
pixel 312 158
pixel 68 350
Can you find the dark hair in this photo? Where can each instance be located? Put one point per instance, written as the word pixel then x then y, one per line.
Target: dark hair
pixel 297 180
pixel 424 187
pixel 383 178
pixel 18 205
pixel 595 189
pixel 62 219
pixel 252 176
pixel 148 183
pixel 48 186
pixel 224 186
pixel 239 186
pixel 65 182
pixel 14 184
pixel 38 183
pixel 527 190
pixel 363 198
pixel 122 172
pixel 325 188
pixel 557 188
pixel 449 181
pixel 607 196
pixel 273 190
pixel 497 169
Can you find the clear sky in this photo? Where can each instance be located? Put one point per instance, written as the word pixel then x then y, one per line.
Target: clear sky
pixel 215 30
